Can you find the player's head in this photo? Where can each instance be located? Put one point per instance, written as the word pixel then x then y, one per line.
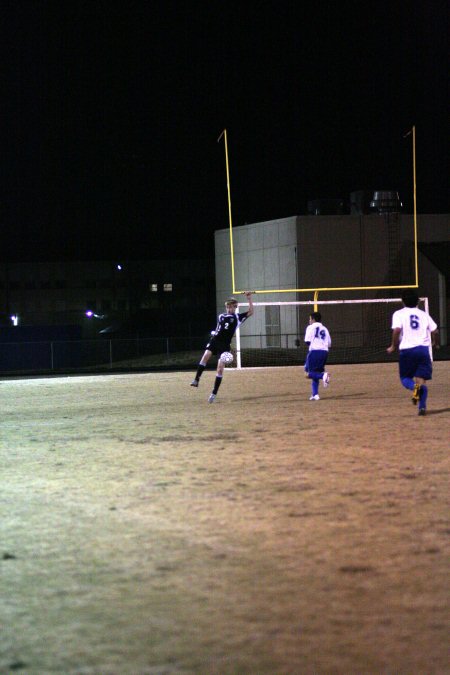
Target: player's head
pixel 231 304
pixel 315 316
pixel 410 298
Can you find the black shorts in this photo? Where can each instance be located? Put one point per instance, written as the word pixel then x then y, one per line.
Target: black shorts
pixel 217 347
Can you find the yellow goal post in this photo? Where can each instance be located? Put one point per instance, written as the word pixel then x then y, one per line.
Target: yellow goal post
pixel 414 283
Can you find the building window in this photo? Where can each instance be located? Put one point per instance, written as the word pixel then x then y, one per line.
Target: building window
pixel 168 288
pixel 273 326
pixel 153 288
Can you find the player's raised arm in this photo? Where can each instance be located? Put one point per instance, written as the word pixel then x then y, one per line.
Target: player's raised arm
pixel 248 295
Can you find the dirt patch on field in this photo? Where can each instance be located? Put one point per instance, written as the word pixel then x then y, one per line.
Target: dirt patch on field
pixel 146 531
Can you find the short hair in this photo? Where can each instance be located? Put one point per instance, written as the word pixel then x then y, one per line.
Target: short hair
pixel 317 316
pixel 410 297
pixel 231 301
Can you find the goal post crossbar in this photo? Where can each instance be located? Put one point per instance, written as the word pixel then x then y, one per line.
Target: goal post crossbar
pixel 237 291
pixel 327 302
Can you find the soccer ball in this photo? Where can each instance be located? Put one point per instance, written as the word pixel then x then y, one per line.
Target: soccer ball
pixel 227 358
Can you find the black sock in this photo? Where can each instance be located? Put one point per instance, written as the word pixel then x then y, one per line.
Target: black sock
pixel 217 384
pixel 200 370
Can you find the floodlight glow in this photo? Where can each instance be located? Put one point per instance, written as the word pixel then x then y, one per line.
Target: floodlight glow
pixel 90 314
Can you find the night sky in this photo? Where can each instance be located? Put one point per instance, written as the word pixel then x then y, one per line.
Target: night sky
pixel 111 113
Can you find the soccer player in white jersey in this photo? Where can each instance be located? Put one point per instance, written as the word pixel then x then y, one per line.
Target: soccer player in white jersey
pixel 413 332
pixel 319 341
pixel 221 340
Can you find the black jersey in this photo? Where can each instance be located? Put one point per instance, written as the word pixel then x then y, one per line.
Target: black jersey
pixel 227 324
pixel 225 329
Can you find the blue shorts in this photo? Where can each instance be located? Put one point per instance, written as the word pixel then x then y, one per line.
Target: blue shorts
pixel 415 362
pixel 316 360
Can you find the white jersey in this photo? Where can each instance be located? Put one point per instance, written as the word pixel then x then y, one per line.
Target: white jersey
pixel 318 336
pixel 415 325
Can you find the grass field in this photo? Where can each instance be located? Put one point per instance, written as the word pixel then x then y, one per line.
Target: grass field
pixel 146 531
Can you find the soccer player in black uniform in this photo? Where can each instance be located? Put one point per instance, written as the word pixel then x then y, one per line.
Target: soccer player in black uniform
pixel 221 340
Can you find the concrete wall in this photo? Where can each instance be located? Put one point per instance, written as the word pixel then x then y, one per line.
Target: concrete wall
pixel 264 257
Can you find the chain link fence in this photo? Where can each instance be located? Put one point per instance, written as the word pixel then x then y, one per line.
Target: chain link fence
pixel 178 353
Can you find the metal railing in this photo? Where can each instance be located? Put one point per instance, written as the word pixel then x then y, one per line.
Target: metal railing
pixel 141 354
pixel 89 355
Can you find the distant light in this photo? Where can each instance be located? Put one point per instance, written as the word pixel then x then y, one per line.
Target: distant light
pixel 15 319
pixel 119 267
pixel 90 314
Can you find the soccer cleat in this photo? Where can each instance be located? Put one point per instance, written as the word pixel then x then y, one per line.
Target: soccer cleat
pixel 422 412
pixel 314 398
pixel 194 383
pixel 326 379
pixel 211 398
pixel 416 394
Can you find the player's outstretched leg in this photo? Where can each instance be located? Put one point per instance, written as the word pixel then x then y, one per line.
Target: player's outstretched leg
pixel 217 383
pixel 416 394
pixel 314 390
pixel 408 383
pixel 198 374
pixel 423 395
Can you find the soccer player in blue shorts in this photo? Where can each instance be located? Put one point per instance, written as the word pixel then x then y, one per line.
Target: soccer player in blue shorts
pixel 413 332
pixel 319 341
pixel 221 340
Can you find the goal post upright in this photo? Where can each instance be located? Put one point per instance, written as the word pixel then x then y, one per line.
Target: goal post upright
pixel 412 133
pixel 224 134
pixel 416 261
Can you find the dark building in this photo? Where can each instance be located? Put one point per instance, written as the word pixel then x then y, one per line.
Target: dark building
pixel 151 297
